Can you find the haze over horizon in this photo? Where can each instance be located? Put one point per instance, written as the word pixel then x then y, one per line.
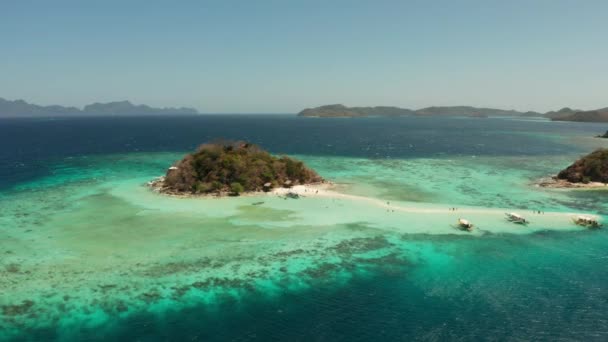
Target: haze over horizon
pixel 277 57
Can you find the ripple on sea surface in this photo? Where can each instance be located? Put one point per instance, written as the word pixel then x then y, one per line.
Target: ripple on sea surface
pixel 91 248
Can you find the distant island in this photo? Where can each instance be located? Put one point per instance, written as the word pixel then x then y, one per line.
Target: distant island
pixel 590 171
pixel 470 111
pixel 342 111
pixel 605 135
pixel 20 108
pixel 233 168
pixel 562 113
pixel 599 115
pixel 339 110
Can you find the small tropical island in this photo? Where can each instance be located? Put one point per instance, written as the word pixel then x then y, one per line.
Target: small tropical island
pixel 590 171
pixel 233 168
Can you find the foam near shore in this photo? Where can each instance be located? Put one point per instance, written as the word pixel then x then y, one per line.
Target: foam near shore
pixel 555 183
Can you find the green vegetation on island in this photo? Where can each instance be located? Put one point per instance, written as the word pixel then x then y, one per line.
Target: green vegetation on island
pixel 233 167
pixel 590 168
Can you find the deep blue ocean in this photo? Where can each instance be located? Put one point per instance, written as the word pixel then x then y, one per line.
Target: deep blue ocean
pixel 26 144
pixel 545 286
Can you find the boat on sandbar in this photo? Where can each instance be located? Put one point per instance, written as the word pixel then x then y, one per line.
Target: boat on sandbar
pixel 586 221
pixel 516 218
pixel 465 225
pixel 292 195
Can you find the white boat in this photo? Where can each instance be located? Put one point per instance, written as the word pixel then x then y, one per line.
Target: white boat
pixel 516 218
pixel 465 225
pixel 586 221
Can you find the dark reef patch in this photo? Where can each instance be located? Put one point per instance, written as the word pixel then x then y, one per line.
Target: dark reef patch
pixel 150 296
pixel 12 268
pixel 391 264
pixel 108 287
pixel 17 309
pixel 223 282
pixel 121 306
pixel 323 270
pixel 287 254
pixel 361 245
pixel 160 270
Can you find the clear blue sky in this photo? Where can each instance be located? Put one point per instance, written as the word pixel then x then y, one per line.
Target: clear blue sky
pixel 282 56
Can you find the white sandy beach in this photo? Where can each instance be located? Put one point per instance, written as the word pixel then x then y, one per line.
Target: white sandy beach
pixel 553 183
pixel 543 219
pixel 330 205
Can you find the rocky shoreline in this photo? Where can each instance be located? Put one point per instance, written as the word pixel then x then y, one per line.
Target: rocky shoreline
pixel 158 185
pixel 556 183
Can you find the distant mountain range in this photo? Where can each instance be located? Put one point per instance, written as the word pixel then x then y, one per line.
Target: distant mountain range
pixel 598 115
pixel 20 108
pixel 564 114
pixel 338 110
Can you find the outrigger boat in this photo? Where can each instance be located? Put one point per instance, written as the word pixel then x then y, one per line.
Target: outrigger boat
pixel 516 218
pixel 465 225
pixel 292 195
pixel 586 221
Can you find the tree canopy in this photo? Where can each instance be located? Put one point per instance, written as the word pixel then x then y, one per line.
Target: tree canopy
pixel 590 168
pixel 235 167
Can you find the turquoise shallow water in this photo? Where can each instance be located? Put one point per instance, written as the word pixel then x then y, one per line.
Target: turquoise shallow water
pixel 88 252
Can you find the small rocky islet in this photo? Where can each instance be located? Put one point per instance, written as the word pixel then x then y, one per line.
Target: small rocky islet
pixel 590 171
pixel 233 168
pixel 590 168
